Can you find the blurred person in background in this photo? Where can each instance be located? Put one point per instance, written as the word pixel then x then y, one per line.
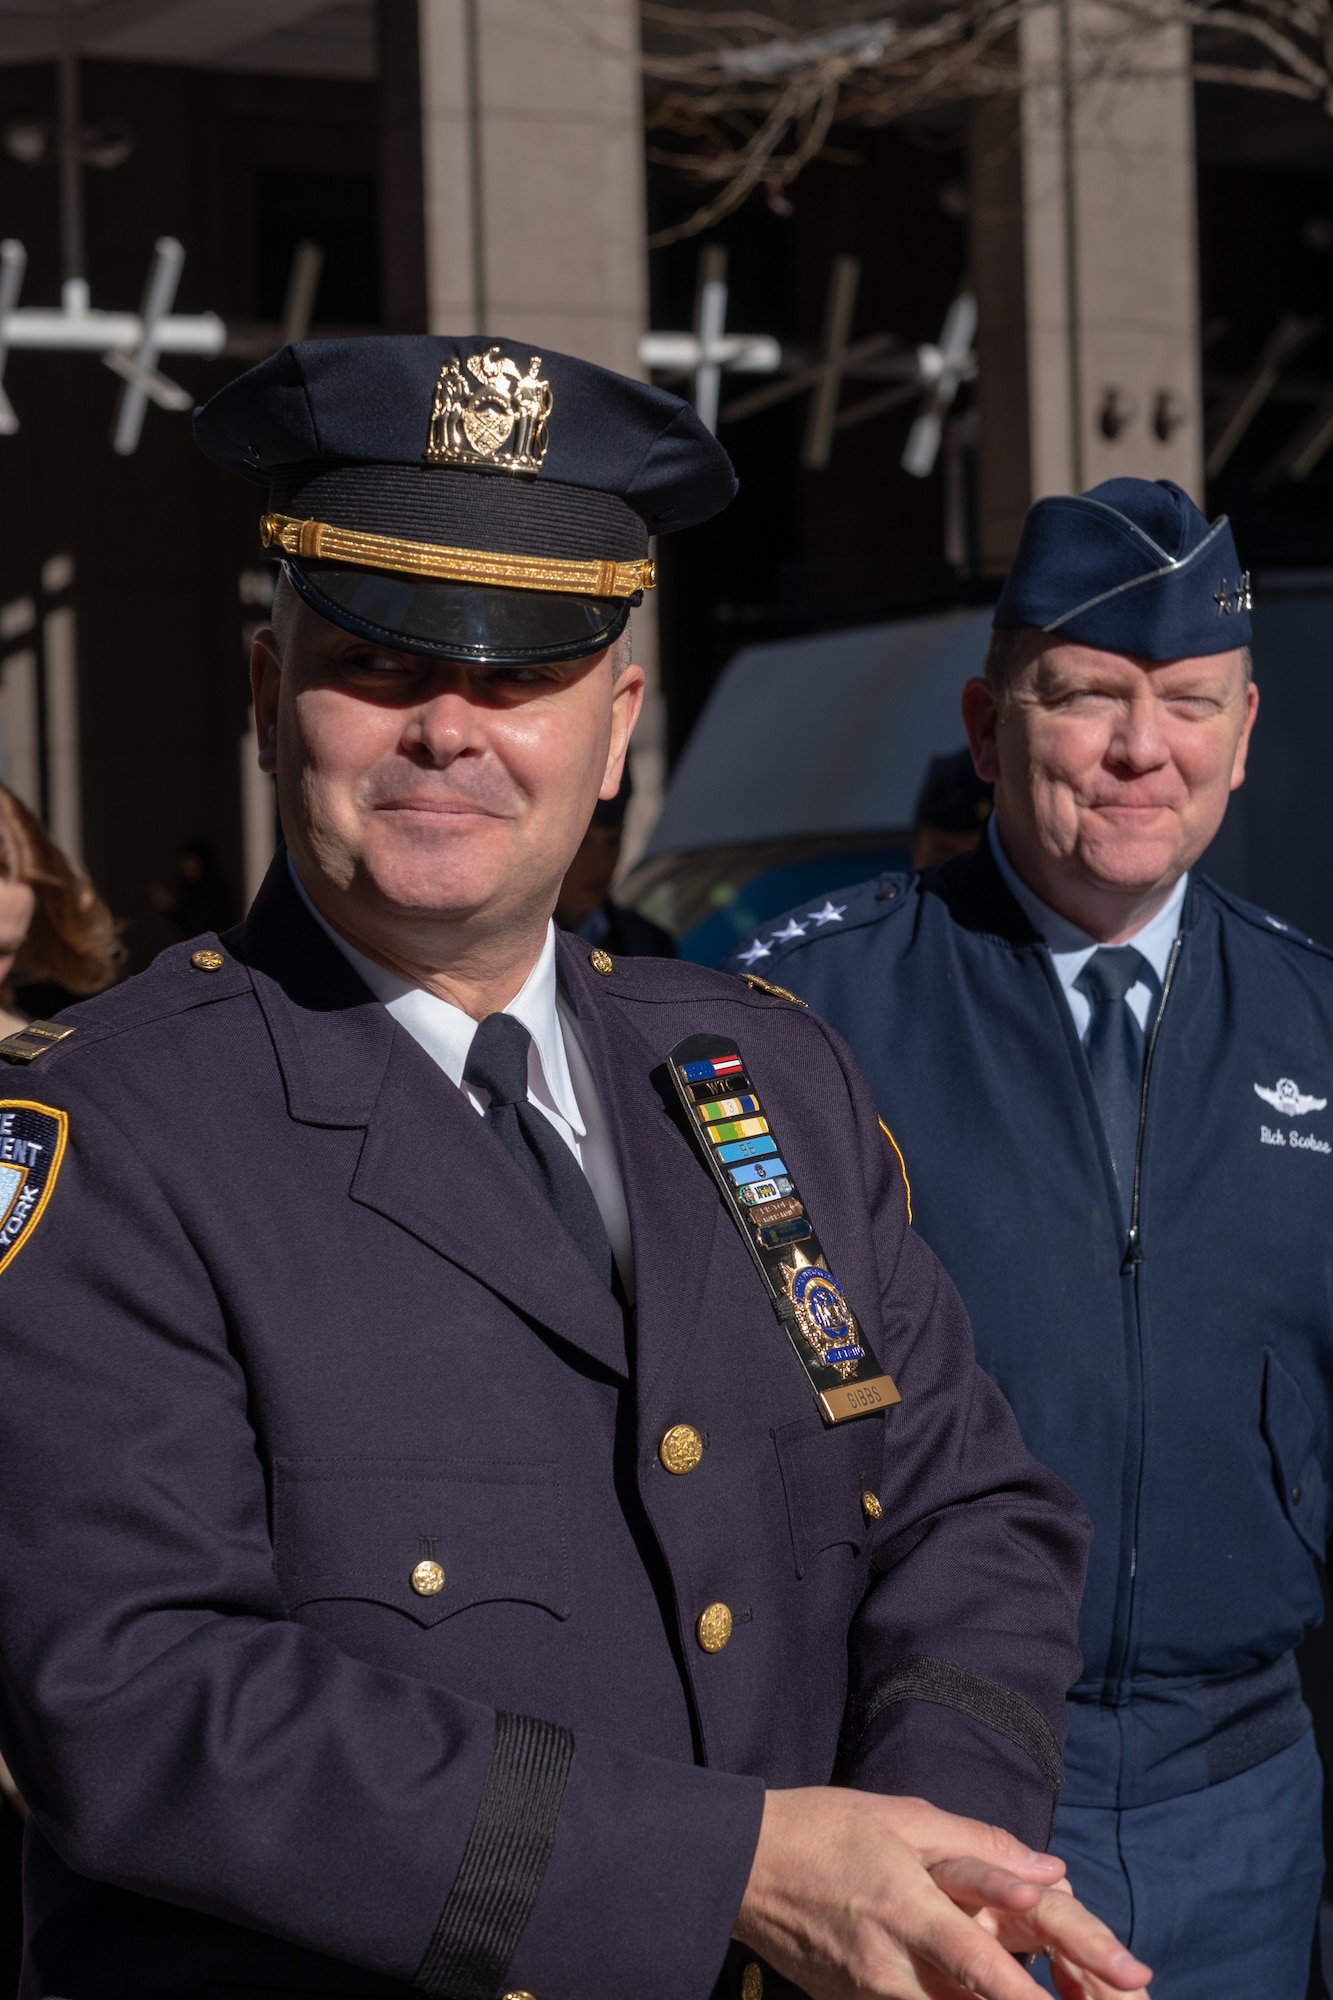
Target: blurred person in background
pixel 952 808
pixel 1112 1083
pixel 57 935
pixel 55 930
pixel 585 906
pixel 201 898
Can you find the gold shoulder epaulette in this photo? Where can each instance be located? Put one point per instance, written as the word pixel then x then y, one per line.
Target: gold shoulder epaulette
pixel 759 985
pixel 32 1041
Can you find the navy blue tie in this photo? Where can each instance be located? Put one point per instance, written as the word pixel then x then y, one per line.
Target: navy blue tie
pixel 1114 1045
pixel 498 1064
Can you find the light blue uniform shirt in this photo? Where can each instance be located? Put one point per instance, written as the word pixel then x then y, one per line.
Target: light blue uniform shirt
pixel 1071 948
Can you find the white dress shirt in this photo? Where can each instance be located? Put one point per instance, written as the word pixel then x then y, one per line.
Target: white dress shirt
pixel 1071 948
pixel 560 1080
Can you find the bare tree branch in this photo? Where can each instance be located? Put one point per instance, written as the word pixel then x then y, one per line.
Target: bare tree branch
pixel 747 98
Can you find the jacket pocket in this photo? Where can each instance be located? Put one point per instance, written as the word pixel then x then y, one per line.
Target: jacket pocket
pixel 427 1539
pixel 1289 1428
pixel 824 1475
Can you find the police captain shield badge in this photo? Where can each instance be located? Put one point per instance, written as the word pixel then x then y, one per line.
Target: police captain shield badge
pixel 498 419
pixel 823 1315
pixel 32 1145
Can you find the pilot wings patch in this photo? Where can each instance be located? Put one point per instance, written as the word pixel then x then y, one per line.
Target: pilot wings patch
pixel 1287 1097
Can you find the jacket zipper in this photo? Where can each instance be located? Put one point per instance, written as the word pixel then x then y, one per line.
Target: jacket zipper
pixel 1130 1268
pixel 1133 1245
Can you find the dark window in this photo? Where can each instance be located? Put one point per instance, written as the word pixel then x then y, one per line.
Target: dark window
pixel 337 211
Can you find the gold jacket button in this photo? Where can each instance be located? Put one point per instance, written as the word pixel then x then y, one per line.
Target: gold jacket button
pixel 427 1579
pixel 714 1628
pixel 872 1506
pixel 518 1996
pixel 752 1982
pixel 207 961
pixel 602 961
pixel 681 1448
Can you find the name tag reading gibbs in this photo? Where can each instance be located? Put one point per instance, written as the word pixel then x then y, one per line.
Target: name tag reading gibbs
pixel 736 1140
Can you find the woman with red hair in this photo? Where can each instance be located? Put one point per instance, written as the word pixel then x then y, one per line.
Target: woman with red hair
pixel 53 924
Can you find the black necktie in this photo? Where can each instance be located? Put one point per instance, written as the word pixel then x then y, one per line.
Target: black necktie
pixel 1114 1046
pixel 498 1064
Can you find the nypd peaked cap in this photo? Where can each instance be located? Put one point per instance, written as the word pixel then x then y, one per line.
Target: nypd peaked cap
pixel 465 498
pixel 1130 567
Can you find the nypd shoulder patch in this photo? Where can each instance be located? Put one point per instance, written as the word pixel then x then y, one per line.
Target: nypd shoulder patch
pixel 32 1145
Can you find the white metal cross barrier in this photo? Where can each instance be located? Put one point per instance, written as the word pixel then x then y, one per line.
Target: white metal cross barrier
pixel 129 343
pixel 931 374
pixel 706 350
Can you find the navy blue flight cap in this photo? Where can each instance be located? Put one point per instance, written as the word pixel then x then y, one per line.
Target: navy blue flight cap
pixel 1130 567
pixel 470 498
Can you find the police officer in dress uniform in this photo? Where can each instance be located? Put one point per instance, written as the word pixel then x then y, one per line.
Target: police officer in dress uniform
pixel 1112 1083
pixel 483 1448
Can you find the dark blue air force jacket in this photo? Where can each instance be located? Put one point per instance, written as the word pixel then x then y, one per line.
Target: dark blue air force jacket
pixel 1180 1384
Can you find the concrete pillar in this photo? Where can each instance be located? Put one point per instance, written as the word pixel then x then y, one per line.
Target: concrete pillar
pixel 1086 264
pixel 532 137
pixel 533 176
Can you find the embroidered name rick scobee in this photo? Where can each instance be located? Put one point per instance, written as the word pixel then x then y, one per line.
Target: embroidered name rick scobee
pixel 32 1145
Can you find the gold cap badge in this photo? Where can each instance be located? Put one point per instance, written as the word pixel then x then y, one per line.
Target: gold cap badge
pixel 498 419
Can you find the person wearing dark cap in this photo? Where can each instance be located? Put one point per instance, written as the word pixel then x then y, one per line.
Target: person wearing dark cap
pixel 584 904
pixel 467 1493
pixel 1112 1084
pixel 952 808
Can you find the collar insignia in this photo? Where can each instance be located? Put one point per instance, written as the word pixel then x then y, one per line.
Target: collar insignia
pixel 498 419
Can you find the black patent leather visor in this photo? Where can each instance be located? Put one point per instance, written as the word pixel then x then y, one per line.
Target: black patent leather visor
pixel 460 621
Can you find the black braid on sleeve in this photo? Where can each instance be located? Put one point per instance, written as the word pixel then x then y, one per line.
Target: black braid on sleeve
pixel 981 1700
pixel 503 1863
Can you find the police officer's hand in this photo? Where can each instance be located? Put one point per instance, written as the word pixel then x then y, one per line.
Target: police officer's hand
pixel 853 1895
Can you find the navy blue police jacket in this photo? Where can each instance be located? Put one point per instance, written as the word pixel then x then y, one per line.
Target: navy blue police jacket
pixel 293 1322
pixel 1180 1382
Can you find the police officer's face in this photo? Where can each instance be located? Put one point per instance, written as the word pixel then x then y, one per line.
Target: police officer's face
pixel 1111 774
pixel 425 792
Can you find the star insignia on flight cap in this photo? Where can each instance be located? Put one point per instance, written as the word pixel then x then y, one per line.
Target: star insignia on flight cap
pixel 830 914
pixel 793 930
pixel 754 954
